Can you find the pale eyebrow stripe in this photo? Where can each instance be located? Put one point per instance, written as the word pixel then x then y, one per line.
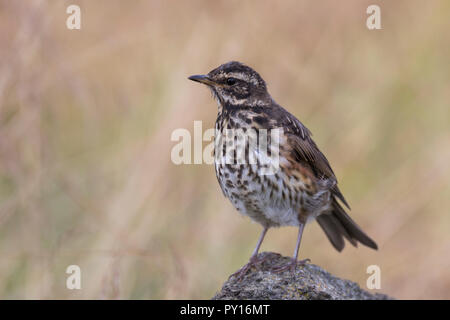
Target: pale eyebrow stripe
pixel 243 77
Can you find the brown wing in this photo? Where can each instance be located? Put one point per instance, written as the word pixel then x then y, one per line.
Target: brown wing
pixel 338 224
pixel 300 144
pixel 306 152
pixel 308 161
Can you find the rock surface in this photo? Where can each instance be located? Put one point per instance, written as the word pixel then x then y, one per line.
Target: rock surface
pixel 308 282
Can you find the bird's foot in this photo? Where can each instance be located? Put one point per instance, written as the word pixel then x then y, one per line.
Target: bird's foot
pixel 254 260
pixel 291 265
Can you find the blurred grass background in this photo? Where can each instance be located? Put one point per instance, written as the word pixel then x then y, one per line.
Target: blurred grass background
pixel 86 118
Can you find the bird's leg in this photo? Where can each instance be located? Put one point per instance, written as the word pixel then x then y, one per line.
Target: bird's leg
pixel 253 259
pixel 291 265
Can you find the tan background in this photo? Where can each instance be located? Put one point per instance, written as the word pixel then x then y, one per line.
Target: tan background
pixel 86 118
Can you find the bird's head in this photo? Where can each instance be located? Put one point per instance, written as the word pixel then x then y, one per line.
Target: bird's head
pixel 235 84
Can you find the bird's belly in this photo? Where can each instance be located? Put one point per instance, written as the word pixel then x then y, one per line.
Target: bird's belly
pixel 264 198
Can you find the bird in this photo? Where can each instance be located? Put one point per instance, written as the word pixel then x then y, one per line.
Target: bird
pixel 303 187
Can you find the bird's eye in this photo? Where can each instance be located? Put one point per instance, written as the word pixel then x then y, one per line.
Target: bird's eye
pixel 231 81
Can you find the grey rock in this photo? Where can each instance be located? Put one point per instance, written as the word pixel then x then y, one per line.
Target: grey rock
pixel 308 282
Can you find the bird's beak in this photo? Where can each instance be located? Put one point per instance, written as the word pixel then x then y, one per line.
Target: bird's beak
pixel 202 79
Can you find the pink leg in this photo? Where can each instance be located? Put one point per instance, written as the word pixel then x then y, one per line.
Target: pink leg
pixel 253 259
pixel 293 263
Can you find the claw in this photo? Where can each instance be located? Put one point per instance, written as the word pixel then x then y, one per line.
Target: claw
pixel 254 261
pixel 291 265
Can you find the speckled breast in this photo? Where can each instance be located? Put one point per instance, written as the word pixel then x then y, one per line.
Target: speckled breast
pixel 269 199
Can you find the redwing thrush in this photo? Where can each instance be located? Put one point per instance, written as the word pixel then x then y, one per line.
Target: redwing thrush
pixel 302 189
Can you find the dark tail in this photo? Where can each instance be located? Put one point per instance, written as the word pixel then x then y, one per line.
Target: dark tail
pixel 337 225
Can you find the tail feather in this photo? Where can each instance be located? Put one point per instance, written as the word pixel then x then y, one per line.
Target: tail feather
pixel 331 229
pixel 338 225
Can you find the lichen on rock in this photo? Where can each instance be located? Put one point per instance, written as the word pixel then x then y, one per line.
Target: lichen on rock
pixel 308 282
